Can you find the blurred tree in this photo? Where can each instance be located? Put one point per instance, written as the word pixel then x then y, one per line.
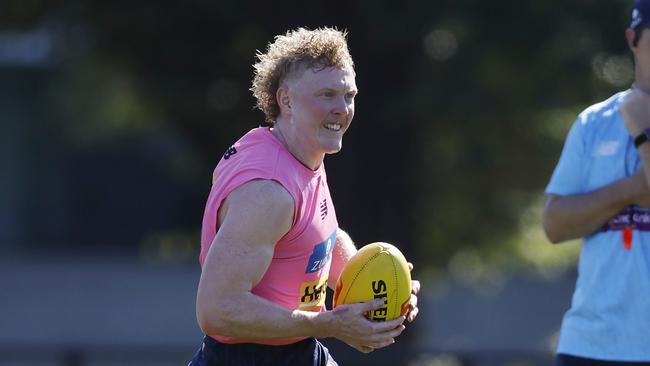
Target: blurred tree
pixel 462 111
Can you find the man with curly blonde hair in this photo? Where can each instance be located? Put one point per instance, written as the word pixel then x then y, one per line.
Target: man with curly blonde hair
pixel 270 242
pixel 291 54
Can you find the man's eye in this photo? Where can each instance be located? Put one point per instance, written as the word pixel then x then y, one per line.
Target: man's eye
pixel 329 94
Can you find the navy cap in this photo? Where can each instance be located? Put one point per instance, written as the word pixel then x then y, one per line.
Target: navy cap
pixel 640 14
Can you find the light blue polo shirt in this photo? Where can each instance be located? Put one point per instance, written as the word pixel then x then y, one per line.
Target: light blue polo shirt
pixel 609 317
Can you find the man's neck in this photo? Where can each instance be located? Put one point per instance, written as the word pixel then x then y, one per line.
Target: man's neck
pixel 642 80
pixel 295 148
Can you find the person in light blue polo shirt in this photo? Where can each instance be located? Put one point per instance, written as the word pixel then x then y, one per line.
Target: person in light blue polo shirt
pixel 600 191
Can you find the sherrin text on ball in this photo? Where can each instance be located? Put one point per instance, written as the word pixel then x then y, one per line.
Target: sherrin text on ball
pixel 377 271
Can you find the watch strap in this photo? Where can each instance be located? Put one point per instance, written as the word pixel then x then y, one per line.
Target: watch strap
pixel 643 137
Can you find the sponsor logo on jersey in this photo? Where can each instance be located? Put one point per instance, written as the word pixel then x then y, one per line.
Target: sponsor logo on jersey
pixel 230 152
pixel 313 294
pixel 323 209
pixel 321 255
pixel 606 148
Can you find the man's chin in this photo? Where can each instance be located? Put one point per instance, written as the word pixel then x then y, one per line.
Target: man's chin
pixel 333 150
pixel 332 147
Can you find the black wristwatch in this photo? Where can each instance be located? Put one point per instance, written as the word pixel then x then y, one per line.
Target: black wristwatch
pixel 643 137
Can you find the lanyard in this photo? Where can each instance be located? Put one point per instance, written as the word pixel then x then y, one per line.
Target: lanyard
pixel 627 235
pixel 630 219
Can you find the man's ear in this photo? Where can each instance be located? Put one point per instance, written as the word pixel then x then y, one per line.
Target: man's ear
pixel 629 36
pixel 283 100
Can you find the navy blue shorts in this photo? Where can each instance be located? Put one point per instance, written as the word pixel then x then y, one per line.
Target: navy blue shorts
pixel 566 360
pixel 308 352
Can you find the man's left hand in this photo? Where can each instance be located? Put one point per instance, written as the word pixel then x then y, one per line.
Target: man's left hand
pixel 413 301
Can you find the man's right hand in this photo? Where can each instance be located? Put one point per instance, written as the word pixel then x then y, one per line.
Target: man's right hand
pixel 349 324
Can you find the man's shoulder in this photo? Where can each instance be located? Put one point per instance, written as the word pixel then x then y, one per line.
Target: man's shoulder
pixel 265 194
pixel 603 111
pixel 256 147
pixel 260 155
pixel 255 140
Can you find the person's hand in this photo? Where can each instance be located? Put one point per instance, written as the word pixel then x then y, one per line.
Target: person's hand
pixel 639 188
pixel 413 301
pixel 635 109
pixel 350 325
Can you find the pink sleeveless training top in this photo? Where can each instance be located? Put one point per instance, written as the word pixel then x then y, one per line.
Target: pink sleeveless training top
pixel 298 273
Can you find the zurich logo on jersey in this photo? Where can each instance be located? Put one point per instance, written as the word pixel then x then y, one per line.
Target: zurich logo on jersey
pixel 321 255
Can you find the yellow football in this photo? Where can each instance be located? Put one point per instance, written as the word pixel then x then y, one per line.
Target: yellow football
pixel 376 271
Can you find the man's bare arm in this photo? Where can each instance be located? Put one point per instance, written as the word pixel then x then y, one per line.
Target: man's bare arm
pixel 258 214
pixel 575 216
pixel 343 250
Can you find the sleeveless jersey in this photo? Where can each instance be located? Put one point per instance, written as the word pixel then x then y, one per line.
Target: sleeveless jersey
pixel 298 273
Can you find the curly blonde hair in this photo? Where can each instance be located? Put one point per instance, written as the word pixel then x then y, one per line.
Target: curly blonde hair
pixel 292 53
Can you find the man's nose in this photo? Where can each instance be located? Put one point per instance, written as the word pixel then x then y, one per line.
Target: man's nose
pixel 341 106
